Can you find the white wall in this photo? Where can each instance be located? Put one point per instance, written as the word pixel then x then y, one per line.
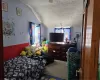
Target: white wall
pixel 74 31
pixel 21 22
pixel 49 30
pixel 43 31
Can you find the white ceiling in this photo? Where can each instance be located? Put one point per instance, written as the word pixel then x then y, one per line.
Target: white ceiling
pixel 65 12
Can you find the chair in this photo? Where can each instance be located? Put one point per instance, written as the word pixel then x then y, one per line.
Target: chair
pixel 73 59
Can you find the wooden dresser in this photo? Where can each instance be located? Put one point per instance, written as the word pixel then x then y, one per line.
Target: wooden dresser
pixel 58 50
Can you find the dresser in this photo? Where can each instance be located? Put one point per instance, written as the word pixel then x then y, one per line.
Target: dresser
pixel 58 50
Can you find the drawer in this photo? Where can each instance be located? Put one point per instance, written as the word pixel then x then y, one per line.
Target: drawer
pixel 53 47
pixel 64 49
pixel 63 53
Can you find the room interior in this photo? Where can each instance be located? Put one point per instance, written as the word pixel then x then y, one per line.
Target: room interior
pixel 26 23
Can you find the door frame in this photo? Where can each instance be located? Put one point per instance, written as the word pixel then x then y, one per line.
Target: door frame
pixel 93 58
pixel 1 45
pixel 84 24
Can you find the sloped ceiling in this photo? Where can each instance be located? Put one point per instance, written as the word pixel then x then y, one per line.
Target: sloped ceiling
pixel 65 12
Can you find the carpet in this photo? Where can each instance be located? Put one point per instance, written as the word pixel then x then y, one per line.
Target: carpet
pixel 48 77
pixel 58 69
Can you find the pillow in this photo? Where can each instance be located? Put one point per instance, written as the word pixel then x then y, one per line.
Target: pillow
pixel 23 53
pixel 38 52
pixel 28 51
pixel 33 49
pixel 45 49
pixel 27 48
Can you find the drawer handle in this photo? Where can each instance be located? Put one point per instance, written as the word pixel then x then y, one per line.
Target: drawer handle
pixel 54 51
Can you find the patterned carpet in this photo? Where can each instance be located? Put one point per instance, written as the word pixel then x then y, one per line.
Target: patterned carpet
pixel 48 77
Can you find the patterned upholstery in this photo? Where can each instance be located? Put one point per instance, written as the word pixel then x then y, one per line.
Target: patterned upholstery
pixel 73 59
pixel 24 68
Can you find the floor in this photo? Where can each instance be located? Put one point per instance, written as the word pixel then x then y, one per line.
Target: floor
pixel 57 69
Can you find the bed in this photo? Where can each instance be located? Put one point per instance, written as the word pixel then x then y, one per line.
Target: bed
pixel 24 68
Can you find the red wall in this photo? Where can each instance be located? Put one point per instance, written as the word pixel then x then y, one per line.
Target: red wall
pixel 13 51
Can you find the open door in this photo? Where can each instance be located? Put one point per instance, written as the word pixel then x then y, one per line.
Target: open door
pixel 90 46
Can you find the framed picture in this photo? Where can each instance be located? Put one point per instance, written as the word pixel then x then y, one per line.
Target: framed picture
pixel 86 3
pixel 78 34
pixel 18 11
pixel 4 6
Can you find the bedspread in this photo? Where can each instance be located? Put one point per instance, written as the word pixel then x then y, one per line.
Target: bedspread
pixel 24 68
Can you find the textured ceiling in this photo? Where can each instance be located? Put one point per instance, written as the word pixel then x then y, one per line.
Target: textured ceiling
pixel 65 12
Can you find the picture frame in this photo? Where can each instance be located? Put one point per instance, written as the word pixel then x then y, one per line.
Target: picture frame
pixel 86 3
pixel 78 34
pixel 18 11
pixel 5 6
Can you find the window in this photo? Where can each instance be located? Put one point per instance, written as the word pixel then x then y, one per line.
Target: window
pixel 66 31
pixel 37 34
pixel 58 30
pixel 34 32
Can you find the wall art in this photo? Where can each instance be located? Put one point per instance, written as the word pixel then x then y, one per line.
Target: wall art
pixel 8 28
pixel 4 6
pixel 18 11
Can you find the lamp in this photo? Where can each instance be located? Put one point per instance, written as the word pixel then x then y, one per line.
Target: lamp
pixel 77 36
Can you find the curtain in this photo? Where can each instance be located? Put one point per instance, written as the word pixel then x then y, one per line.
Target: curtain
pixel 37 34
pixel 58 30
pixel 32 32
pixel 67 33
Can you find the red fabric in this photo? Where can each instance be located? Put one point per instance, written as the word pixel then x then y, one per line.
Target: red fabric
pixel 13 51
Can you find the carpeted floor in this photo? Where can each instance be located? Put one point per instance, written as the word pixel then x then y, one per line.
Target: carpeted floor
pixel 48 77
pixel 57 69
